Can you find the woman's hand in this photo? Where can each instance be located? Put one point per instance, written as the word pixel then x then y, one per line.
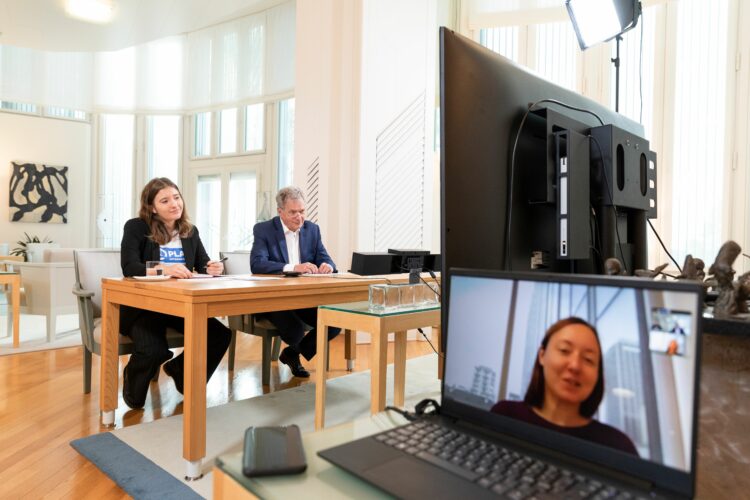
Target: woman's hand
pixel 214 268
pixel 177 271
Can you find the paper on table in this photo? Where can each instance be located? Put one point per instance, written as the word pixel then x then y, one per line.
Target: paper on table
pixel 343 276
pixel 250 277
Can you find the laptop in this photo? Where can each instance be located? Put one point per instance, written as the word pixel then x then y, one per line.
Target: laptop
pixel 555 386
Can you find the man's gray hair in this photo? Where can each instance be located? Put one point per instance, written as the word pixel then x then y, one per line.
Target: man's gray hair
pixel 288 193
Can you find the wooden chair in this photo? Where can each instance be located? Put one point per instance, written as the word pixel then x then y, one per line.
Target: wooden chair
pixel 238 262
pixel 91 266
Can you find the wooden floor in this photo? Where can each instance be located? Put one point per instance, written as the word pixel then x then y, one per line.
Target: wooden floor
pixel 43 408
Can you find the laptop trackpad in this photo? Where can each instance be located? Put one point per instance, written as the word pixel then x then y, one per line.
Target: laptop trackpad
pixel 411 478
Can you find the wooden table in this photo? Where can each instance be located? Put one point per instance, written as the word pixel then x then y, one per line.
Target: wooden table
pixel 14 281
pixel 197 300
pixel 357 316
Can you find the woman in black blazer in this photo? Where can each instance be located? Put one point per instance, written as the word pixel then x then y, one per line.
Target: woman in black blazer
pixel 162 232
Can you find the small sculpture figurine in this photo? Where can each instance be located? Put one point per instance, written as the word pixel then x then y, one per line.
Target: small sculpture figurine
pixel 650 273
pixel 721 270
pixel 613 267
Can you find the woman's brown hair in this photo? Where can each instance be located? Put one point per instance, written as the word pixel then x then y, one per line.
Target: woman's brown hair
pixel 159 232
pixel 535 392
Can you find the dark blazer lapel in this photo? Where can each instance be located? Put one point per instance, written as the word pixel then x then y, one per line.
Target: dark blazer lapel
pixel 281 239
pixel 189 252
pixel 303 244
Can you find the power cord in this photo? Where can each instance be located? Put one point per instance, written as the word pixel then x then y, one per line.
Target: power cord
pixel 509 205
pixel 428 341
pixel 663 246
pixel 424 407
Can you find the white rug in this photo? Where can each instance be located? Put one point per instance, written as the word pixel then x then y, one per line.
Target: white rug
pixel 347 398
pixel 33 335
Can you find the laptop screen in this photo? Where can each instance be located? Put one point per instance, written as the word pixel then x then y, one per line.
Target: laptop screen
pixel 610 367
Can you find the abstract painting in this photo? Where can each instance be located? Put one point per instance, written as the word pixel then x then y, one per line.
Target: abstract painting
pixel 38 193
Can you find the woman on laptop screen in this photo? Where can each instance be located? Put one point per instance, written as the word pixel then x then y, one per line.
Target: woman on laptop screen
pixel 567 385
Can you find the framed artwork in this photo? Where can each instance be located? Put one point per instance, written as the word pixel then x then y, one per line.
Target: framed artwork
pixel 38 193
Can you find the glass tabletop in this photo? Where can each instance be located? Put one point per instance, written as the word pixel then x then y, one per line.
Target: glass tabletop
pixel 364 308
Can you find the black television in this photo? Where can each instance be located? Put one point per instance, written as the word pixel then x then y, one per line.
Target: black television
pixel 582 182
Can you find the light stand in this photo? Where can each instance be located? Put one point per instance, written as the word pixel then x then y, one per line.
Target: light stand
pixel 616 62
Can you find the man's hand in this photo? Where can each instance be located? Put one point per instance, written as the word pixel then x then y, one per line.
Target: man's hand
pixel 177 271
pixel 306 268
pixel 325 268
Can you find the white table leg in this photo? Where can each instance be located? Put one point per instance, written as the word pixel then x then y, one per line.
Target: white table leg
pixel 108 418
pixel 193 470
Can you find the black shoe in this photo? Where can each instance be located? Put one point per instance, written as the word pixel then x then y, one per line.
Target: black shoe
pixel 132 403
pixel 176 377
pixel 291 359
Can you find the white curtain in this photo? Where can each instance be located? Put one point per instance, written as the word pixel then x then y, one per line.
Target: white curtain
pixel 48 78
pixel 246 58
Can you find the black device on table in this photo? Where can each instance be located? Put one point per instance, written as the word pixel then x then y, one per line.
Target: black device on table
pixel 643 443
pixel 292 274
pixel 273 451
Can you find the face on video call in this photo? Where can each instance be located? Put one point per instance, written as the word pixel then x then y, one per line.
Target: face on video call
pixel 571 366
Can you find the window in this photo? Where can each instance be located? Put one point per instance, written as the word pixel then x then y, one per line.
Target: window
pixel 242 210
pixel 116 186
pixel 20 107
pixel 163 147
pixel 71 114
pixel 202 136
pixel 208 214
pixel 556 53
pixel 254 127
pixel 504 41
pixel 228 131
pixel 698 148
pixel 286 143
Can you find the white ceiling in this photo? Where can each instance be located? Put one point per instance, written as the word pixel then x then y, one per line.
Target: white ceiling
pixel 43 24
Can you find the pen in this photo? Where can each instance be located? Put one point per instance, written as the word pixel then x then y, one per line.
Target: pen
pixel 217 261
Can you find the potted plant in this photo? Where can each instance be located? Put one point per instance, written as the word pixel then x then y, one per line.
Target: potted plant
pixel 30 246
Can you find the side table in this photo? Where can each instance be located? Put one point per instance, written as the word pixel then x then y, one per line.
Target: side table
pixel 357 316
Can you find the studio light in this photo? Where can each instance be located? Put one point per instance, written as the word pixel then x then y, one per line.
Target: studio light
pixel 598 21
pixel 93 11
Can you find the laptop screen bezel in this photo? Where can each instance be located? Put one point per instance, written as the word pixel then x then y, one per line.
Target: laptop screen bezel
pixel 660 476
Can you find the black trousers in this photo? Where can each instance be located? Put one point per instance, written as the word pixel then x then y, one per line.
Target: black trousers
pixel 292 326
pixel 149 336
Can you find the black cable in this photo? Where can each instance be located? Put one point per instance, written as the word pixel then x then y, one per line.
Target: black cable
pixel 611 200
pixel 406 414
pixel 428 341
pixel 664 246
pixel 511 174
pixel 432 274
pixel 598 237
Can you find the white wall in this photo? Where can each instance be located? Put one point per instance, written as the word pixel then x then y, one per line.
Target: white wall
pixel 50 141
pixel 399 56
pixel 327 79
pixel 357 67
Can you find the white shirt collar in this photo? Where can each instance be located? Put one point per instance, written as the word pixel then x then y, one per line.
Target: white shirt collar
pixel 286 229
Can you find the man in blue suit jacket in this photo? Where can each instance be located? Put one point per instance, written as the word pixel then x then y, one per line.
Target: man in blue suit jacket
pixel 290 243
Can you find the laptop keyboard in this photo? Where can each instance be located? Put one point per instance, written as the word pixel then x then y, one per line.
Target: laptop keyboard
pixel 500 470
